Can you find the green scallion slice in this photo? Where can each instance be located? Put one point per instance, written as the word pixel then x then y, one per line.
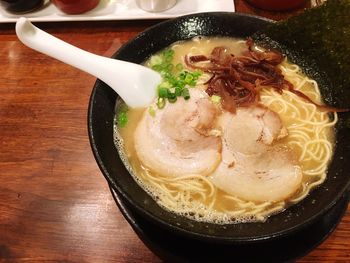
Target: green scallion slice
pixel 122 119
pixel 196 74
pixel 188 78
pixel 172 97
pixel 178 91
pixel 163 92
pixel 157 67
pixel 185 93
pixel 169 67
pixel 151 111
pixel 168 53
pixel 161 103
pixel 215 99
pixel 179 67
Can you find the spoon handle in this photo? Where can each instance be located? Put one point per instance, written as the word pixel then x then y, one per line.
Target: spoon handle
pixel 115 73
pixel 49 45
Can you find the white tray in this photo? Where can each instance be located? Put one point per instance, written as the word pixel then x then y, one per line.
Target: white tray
pixel 121 10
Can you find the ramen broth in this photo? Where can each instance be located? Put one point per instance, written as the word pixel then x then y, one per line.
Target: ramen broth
pixel 310 137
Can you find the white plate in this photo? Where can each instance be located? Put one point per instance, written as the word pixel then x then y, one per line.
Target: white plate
pixel 121 10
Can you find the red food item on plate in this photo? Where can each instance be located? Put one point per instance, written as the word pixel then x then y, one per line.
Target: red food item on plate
pixel 75 6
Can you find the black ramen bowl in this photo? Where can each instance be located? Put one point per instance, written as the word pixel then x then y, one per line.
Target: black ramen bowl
pixel 100 121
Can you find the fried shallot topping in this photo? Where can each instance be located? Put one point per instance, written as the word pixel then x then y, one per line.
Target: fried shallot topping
pixel 239 79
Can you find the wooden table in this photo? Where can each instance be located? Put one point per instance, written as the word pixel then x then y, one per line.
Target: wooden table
pixel 55 204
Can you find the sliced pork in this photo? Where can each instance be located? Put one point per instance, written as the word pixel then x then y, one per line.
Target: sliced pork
pixel 178 140
pixel 251 130
pixel 252 167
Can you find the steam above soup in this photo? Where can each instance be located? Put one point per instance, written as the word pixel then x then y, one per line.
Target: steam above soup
pixel 236 134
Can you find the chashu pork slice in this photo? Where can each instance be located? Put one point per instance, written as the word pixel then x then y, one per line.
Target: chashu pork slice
pixel 252 130
pixel 177 141
pixel 252 168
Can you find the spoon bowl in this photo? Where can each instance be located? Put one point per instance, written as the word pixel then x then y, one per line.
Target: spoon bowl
pixel 134 83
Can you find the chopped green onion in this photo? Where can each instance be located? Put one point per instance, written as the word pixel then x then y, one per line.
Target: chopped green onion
pixel 122 119
pixel 122 116
pixel 163 92
pixel 176 80
pixel 178 91
pixel 172 97
pixel 196 74
pixel 155 60
pixel 188 78
pixel 168 59
pixel 185 93
pixel 181 84
pixel 179 67
pixel 215 99
pixel 165 84
pixel 173 100
pixel 192 83
pixel 157 67
pixel 161 103
pixel 168 53
pixel 172 80
pixel 169 67
pixel 151 111
pixel 182 75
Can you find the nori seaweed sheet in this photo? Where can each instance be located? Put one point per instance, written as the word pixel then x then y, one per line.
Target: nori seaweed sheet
pixel 319 41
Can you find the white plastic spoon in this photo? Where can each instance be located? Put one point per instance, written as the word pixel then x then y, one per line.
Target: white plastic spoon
pixel 135 84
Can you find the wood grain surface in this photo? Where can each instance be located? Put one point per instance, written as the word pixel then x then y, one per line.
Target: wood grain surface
pixel 54 202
